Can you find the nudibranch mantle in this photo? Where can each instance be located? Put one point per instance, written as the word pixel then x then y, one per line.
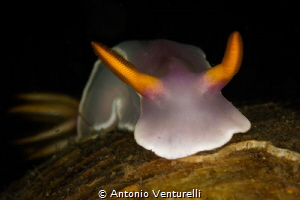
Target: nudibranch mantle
pixel 166 92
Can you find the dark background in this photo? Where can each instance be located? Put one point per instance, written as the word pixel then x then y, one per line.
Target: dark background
pixel 46 48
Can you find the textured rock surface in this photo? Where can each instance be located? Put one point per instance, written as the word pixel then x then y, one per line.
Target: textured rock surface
pixel 263 163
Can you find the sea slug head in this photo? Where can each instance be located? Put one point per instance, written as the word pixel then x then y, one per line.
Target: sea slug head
pixel 183 112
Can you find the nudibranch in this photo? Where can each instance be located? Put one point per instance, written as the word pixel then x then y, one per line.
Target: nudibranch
pixel 166 92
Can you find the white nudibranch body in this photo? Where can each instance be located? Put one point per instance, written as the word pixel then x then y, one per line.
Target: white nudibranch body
pixel 166 92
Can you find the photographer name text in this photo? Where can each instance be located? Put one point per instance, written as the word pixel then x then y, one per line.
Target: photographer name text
pixel 195 193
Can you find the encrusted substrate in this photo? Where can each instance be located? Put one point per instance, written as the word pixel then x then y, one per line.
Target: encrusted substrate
pixel 263 163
